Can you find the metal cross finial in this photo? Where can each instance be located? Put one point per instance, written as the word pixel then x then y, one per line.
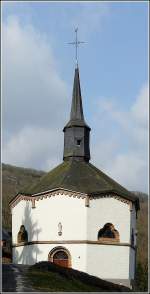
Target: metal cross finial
pixel 76 43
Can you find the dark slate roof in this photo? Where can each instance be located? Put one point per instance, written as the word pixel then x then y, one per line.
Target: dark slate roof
pixel 76 115
pixel 82 177
pixel 76 107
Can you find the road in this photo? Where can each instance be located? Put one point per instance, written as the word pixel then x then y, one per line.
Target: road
pixel 14 278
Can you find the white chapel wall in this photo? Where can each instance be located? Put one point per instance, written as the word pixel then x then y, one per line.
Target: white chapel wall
pixel 19 217
pixel 132 264
pixel 78 223
pixel 108 261
pixel 39 252
pixel 42 221
pixel 108 210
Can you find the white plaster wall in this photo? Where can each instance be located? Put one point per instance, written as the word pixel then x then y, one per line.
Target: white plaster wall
pixel 104 210
pixel 35 253
pixel 18 218
pixel 132 264
pixel 42 222
pixel 103 261
pixel 79 223
pixel 108 261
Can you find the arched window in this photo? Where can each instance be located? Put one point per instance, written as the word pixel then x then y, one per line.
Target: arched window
pixel 108 233
pixel 60 255
pixel 22 235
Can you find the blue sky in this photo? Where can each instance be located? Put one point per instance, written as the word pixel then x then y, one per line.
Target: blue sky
pixel 113 66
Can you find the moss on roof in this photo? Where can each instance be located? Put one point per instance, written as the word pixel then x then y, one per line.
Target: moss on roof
pixel 79 176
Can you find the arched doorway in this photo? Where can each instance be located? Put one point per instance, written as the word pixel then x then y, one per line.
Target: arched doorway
pixel 60 256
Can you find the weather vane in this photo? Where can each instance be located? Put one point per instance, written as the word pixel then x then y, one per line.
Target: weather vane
pixel 76 43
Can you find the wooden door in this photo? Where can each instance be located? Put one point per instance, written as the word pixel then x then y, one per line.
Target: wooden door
pixel 61 262
pixel 61 258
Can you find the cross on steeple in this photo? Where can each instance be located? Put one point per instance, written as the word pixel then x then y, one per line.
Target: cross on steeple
pixel 76 43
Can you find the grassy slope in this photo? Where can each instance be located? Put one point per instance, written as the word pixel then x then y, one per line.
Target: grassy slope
pixel 46 276
pixel 53 282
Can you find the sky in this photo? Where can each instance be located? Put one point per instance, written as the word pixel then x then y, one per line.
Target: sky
pixel 37 79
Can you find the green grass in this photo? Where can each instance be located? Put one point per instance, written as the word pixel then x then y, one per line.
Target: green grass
pixel 48 277
pixel 54 282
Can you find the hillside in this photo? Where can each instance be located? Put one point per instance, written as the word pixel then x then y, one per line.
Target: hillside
pixel 15 178
pixel 142 227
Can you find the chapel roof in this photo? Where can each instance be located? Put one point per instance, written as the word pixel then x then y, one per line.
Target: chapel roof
pixel 82 177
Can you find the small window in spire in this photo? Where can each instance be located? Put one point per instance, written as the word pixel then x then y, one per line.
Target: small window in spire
pixel 78 142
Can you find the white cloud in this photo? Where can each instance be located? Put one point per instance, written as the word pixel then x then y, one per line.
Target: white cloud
pixel 139 110
pixel 34 147
pixel 32 86
pixel 130 169
pixel 123 153
pixel 35 98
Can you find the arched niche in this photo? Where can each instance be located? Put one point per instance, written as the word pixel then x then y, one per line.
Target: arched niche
pixel 108 233
pixel 22 235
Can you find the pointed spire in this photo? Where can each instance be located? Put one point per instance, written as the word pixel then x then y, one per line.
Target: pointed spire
pixel 76 132
pixel 76 114
pixel 76 107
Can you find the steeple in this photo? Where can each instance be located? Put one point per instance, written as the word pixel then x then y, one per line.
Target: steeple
pixel 76 108
pixel 76 132
pixel 76 114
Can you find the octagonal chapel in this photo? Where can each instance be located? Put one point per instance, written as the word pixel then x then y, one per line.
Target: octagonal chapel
pixel 75 215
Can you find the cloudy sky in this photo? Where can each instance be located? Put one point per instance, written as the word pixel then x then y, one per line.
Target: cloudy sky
pixel 37 77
